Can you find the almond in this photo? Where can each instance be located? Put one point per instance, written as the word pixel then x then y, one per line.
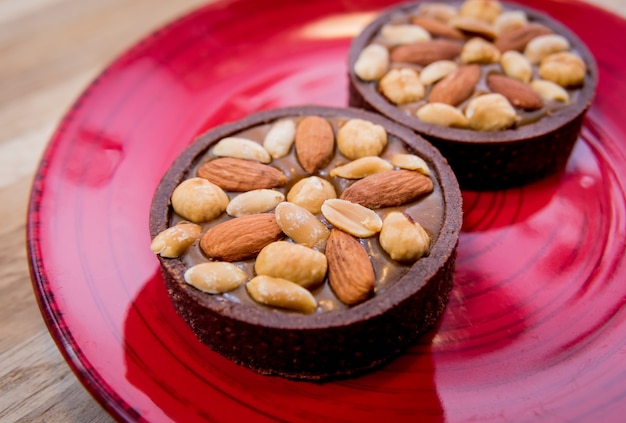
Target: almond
pixel 438 28
pixel 518 38
pixel 350 271
pixel 315 143
pixel 388 189
pixel 426 52
pixel 241 175
pixel 518 93
pixel 240 238
pixel 457 87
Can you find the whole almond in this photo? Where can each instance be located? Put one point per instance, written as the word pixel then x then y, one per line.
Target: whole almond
pixel 350 272
pixel 457 87
pixel 240 175
pixel 388 189
pixel 438 28
pixel 518 38
pixel 240 238
pixel 426 52
pixel 315 143
pixel 518 93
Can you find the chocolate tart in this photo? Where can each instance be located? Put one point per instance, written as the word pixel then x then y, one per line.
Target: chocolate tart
pixel 485 160
pixel 332 342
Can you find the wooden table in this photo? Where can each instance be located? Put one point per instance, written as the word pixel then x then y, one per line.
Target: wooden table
pixel 50 50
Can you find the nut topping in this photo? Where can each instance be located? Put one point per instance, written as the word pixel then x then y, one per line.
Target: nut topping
pixel 240 238
pixel 301 225
pixel 388 189
pixel 456 87
pixel 402 86
pixel 443 115
pixel 175 240
pixel 490 112
pixel 255 201
pixel 315 143
pixel 410 162
pixel 241 148
pixel 293 262
pixel 359 138
pixel 519 94
pixel 281 293
pixel 516 65
pixel 436 71
pixel 403 239
pixel 199 200
pixel 517 39
pixel 372 63
pixel 565 69
pixel 438 28
pixel 280 138
pixel 426 52
pixel 478 50
pixel 550 91
pixel 215 277
pixel 361 168
pixel 353 218
pixel 311 193
pixel 350 271
pixel 540 47
pixel 240 175
pixel 404 34
pixel 484 10
pixel 507 21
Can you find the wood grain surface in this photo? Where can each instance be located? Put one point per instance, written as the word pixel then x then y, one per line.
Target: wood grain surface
pixel 50 50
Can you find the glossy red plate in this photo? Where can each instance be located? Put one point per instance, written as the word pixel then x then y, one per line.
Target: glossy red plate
pixel 536 326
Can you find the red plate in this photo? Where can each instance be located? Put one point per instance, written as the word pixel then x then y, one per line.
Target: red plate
pixel 536 325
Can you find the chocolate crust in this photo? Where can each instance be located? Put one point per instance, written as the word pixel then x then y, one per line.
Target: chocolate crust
pixel 327 345
pixel 489 160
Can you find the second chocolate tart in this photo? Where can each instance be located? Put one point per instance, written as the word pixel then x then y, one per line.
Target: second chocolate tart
pixel 474 39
